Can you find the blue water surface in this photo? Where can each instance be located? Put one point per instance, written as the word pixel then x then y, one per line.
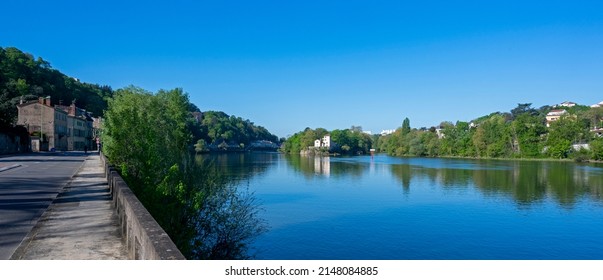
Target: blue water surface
pixel 387 208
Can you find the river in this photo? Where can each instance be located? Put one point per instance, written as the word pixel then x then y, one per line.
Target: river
pixel 389 208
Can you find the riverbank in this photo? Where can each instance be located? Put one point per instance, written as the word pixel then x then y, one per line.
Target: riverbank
pixel 506 159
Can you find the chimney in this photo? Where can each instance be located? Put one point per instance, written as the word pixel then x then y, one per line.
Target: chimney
pixel 48 101
pixel 72 109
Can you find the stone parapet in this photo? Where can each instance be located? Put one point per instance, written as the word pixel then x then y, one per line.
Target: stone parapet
pixel 145 239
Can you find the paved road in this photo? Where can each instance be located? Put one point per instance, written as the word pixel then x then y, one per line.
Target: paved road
pixel 27 191
pixel 80 224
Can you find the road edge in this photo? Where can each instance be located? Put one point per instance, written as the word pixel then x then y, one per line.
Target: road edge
pixel 19 252
pixel 10 167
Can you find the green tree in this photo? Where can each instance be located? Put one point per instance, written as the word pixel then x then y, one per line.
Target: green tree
pixel 147 137
pixel 523 109
pixel 528 131
pixel 406 126
pixel 562 134
pixel 596 147
pixel 492 137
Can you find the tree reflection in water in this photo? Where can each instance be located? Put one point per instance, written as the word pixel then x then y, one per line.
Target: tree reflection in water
pixel 527 182
pixel 215 219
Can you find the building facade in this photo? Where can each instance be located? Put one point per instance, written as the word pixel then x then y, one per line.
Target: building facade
pixel 554 116
pixel 325 142
pixel 63 128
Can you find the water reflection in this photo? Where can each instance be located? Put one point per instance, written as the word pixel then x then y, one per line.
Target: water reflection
pixel 526 182
pixel 238 167
pixel 401 208
pixel 310 166
pixel 220 219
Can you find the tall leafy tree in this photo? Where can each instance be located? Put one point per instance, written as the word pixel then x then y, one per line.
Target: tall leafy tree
pixel 406 126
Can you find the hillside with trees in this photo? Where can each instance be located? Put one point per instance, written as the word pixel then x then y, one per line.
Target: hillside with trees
pixel 520 133
pixel 217 131
pixel 24 77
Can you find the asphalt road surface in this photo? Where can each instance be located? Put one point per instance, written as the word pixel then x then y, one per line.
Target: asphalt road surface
pixel 27 191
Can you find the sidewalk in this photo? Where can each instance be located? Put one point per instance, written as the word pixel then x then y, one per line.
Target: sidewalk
pixel 80 224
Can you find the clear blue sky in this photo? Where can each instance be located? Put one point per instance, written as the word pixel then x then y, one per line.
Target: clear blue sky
pixel 287 65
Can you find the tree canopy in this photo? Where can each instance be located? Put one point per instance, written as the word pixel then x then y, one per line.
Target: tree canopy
pixel 216 127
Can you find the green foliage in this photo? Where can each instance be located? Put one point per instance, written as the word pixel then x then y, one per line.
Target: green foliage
pixel 523 109
pixel 492 138
pixel 563 133
pixel 146 132
pixel 351 141
pixel 24 77
pixel 406 126
pixel 147 135
pixel 527 130
pixel 218 127
pixel 302 140
pixel 559 148
pixel 348 141
pixel 596 147
pixel 201 146
pixel 457 140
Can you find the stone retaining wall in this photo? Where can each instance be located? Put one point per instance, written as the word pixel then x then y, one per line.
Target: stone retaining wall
pixel 11 143
pixel 145 239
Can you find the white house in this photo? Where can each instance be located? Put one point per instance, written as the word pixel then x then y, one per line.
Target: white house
pixel 597 131
pixel 600 104
pixel 567 104
pixel 387 132
pixel 554 116
pixel 325 142
pixel 440 132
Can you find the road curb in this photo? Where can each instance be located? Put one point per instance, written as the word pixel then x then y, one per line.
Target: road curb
pixel 9 167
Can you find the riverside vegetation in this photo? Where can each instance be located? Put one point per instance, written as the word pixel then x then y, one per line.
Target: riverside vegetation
pixel 520 133
pixel 148 137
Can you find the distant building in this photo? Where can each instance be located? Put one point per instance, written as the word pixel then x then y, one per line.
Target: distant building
pixel 554 116
pixel 325 142
pixel 387 132
pixel 578 147
pixel 598 132
pixel 598 105
pixel 567 104
pixel 57 128
pixel 440 132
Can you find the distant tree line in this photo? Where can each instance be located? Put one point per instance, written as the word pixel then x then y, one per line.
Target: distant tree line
pixel 521 133
pixel 23 77
pixel 347 141
pixel 217 129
